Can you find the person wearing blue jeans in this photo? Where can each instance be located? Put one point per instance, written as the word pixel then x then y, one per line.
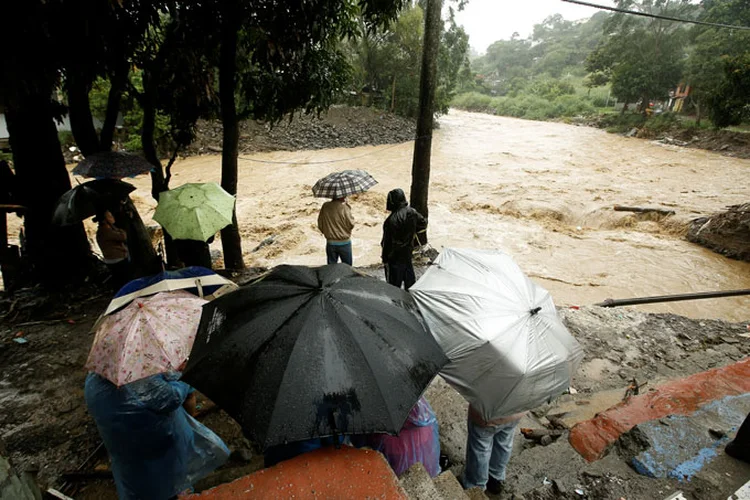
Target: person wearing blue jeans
pixel 336 250
pixel 488 449
pixel 335 221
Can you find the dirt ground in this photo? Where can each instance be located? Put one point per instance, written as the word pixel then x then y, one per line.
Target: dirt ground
pixel 45 425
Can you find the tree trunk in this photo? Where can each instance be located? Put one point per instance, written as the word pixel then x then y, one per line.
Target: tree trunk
pixel 117 86
pixel 54 252
pixel 79 111
pixel 698 113
pixel 230 236
pixel 420 172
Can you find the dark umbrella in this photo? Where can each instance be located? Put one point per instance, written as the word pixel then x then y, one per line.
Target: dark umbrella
pixel 113 165
pixel 314 352
pixel 85 200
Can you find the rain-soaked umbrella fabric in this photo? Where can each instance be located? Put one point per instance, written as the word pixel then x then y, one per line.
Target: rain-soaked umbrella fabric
pixel 151 335
pixel 195 279
pixel 508 350
pixel 85 200
pixel 113 165
pixel 312 352
pixel 343 184
pixel 194 211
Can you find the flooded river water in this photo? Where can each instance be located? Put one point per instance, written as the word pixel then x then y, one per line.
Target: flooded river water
pixel 542 192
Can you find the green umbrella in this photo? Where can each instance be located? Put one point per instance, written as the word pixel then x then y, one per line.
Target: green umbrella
pixel 194 211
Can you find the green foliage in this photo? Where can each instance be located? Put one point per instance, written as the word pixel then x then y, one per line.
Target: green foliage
pixel 383 58
pixel 642 57
pixel 531 107
pixel 714 68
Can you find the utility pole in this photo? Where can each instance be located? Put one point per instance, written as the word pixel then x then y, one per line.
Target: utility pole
pixel 420 170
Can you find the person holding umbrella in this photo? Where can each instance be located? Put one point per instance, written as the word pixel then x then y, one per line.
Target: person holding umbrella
pixel 399 230
pixel 335 219
pixel 138 404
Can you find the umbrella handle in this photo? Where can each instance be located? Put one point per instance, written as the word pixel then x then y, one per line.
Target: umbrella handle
pixel 199 286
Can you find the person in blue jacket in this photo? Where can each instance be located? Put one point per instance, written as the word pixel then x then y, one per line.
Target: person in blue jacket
pixel 157 450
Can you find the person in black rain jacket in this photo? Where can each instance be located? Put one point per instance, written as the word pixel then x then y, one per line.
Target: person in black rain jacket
pixel 399 231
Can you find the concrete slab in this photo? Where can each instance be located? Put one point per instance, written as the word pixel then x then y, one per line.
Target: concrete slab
pixel 448 487
pixel 593 437
pixel 417 483
pixel 323 473
pixel 680 446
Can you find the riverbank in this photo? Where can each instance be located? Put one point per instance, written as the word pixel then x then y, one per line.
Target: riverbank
pixel 666 129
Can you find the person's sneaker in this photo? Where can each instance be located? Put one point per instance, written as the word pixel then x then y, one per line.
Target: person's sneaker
pixel 494 486
pixel 737 451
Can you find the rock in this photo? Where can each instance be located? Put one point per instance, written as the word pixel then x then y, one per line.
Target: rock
pixel 475 493
pixel 241 455
pixel 417 483
pixel 448 486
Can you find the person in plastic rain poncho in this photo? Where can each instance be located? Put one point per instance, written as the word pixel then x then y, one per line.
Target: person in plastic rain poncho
pixel 399 232
pixel 157 449
pixel 488 449
pixel 418 441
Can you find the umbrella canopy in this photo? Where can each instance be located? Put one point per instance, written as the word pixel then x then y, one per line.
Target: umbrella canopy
pixel 343 184
pixel 313 352
pixel 508 350
pixel 195 279
pixel 151 335
pixel 194 211
pixel 85 200
pixel 113 165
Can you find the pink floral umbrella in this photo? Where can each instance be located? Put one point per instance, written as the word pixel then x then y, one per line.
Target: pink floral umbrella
pixel 151 335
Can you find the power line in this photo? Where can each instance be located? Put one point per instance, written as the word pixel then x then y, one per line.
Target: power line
pixel 658 16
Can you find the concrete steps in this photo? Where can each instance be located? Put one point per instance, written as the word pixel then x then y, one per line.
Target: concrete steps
pixel 418 485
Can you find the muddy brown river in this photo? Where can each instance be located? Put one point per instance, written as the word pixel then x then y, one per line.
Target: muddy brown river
pixel 542 192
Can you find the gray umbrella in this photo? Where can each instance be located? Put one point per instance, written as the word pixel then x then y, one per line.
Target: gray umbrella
pixel 113 165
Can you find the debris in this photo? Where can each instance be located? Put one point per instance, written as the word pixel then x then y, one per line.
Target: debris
pixel 572 390
pixel 730 340
pixel 676 496
pixel 536 435
pixel 580 492
pixel 633 389
pixel 546 482
pixel 643 210
pixel 545 440
pixel 632 132
pixel 265 243
pixel 20 340
pixel 56 494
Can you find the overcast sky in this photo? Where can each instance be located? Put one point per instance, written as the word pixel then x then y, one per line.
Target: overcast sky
pixel 487 21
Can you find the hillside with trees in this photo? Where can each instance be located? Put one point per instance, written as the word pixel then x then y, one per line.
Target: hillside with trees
pixel 586 68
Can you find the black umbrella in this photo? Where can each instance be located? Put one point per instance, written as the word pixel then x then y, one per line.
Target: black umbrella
pixel 314 352
pixel 113 165
pixel 85 200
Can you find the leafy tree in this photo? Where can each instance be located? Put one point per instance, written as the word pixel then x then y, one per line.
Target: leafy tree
pixel 388 61
pixel 29 77
pixel 643 58
pixel 275 57
pixel 715 57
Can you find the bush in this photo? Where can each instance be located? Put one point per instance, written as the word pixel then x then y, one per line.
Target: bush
pixel 528 106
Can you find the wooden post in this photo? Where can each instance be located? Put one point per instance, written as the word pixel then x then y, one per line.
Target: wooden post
pixel 420 171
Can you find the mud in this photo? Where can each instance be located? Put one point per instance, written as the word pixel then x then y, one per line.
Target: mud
pixel 727 233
